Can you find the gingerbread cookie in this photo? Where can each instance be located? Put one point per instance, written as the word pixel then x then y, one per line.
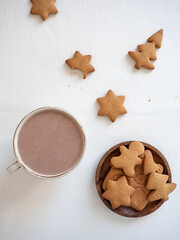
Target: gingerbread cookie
pixel 142 60
pixel 162 192
pixel 142 156
pixel 113 174
pixel 118 192
pixel 147 51
pixel 111 105
pixel 150 50
pixel 134 184
pixel 149 164
pixel 139 169
pixel 139 176
pixel 43 8
pixel 138 199
pixel 161 189
pixel 81 62
pixel 129 158
pixel 156 38
pixel 156 180
pixel 160 169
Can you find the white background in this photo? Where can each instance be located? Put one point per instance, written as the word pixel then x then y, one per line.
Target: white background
pixel 33 74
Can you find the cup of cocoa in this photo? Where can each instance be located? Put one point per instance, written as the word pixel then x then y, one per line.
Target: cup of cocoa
pixel 48 142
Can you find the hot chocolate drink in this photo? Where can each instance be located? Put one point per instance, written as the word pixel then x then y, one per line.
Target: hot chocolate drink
pixel 50 142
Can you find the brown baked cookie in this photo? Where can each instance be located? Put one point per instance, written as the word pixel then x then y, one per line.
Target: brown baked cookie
pixel 134 184
pixel 138 199
pixel 149 49
pixel 140 178
pixel 156 38
pixel 162 193
pixel 118 192
pixel 81 62
pixel 160 169
pixel 113 174
pixel 43 8
pixel 141 59
pixel 149 165
pixel 129 158
pixel 139 169
pixel 156 180
pixel 142 156
pixel 111 105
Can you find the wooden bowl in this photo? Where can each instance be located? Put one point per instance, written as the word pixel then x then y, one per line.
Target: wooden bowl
pixel 103 168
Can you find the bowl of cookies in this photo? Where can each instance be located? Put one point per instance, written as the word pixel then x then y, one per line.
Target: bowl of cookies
pixel 133 179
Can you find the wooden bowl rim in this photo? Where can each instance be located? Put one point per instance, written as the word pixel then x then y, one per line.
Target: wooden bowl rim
pixel 159 204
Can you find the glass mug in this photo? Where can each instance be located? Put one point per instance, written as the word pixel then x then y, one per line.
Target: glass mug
pixel 48 142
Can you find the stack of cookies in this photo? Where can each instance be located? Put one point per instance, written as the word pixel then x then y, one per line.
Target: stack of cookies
pixel 134 179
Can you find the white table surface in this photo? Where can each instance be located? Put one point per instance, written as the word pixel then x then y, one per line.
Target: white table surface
pixel 33 74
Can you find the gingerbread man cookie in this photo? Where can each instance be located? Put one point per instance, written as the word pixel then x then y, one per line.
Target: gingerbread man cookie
pixel 129 158
pixel 139 175
pixel 134 184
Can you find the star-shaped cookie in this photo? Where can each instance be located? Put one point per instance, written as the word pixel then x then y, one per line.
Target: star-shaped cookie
pixel 162 193
pixel 142 60
pixel 161 189
pixel 81 62
pixel 111 105
pixel 156 180
pixel 113 174
pixel 43 8
pixel 118 192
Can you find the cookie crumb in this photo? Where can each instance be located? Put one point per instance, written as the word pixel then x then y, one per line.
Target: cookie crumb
pixel 149 100
pixel 176 96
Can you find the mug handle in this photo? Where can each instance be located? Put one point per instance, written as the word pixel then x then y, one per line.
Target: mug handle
pixel 13 167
